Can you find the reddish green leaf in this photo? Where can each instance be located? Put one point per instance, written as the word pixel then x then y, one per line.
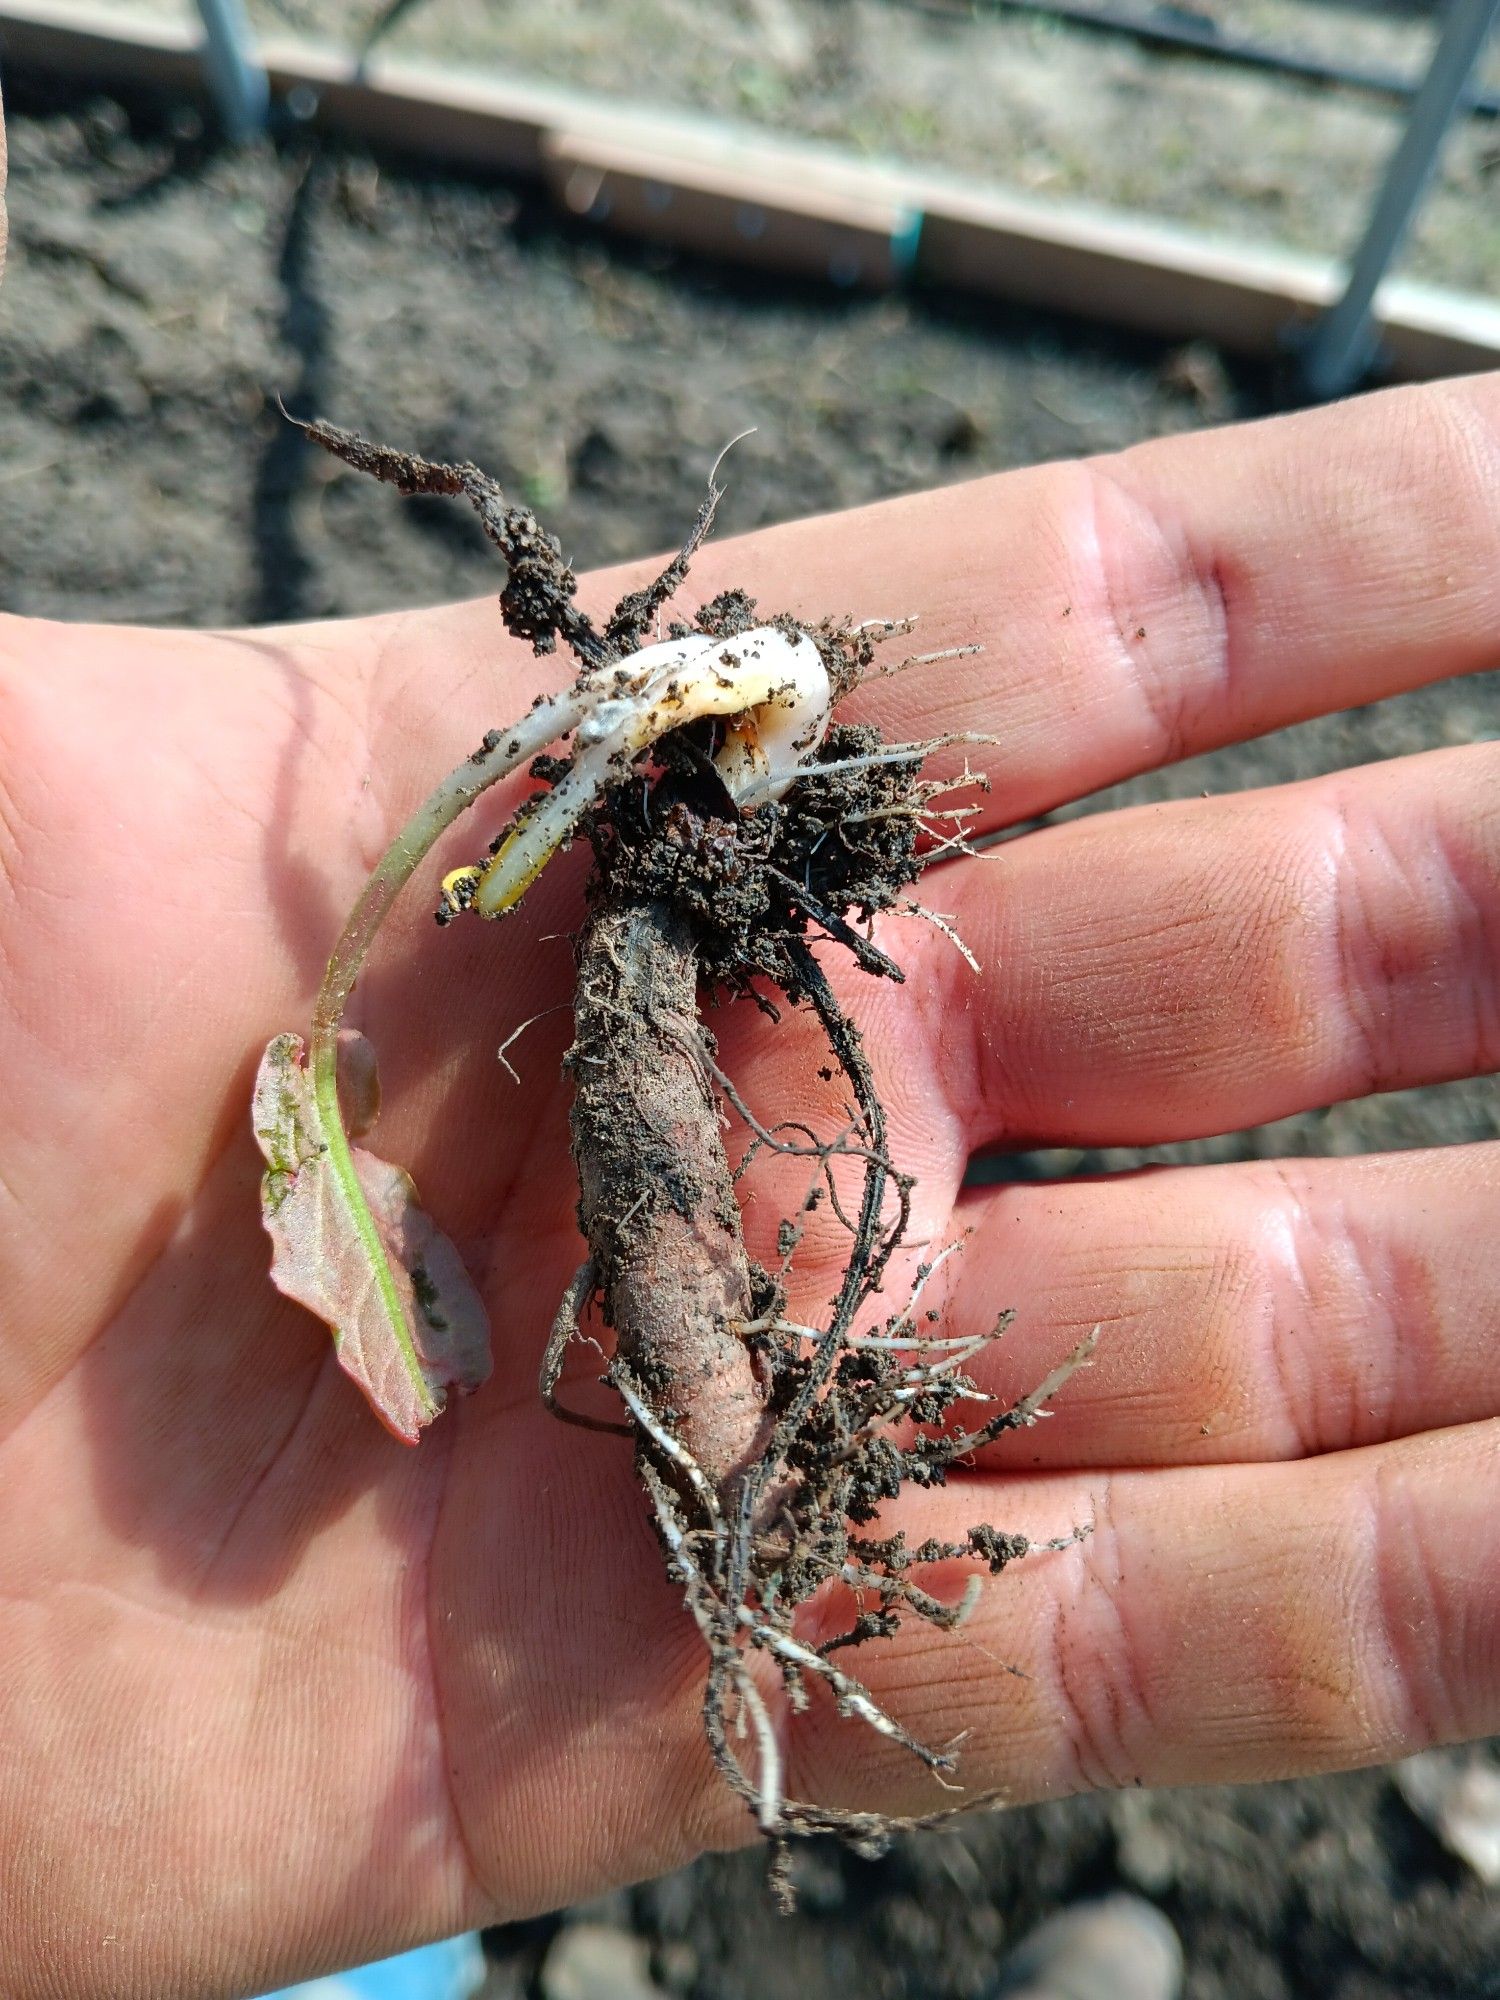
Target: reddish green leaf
pixel 353 1247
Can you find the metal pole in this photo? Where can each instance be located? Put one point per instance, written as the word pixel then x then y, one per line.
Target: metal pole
pixel 240 87
pixel 1343 345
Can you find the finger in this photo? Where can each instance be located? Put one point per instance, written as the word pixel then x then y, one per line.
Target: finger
pixel 1192 968
pixel 1259 1311
pixel 1173 971
pixel 1188 593
pixel 1219 1624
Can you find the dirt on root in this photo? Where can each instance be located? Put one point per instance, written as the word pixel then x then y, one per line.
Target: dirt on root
pixel 656 1200
pixel 160 297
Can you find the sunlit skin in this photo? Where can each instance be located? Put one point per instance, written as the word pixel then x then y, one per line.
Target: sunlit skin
pixel 280 1694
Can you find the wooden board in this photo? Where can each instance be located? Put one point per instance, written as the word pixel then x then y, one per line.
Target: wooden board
pixel 754 198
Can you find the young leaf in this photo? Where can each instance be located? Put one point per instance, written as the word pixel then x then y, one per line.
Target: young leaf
pixel 351 1244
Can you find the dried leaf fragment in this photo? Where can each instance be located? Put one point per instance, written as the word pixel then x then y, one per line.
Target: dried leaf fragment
pixel 355 1249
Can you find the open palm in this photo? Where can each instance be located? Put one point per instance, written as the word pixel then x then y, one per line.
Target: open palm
pixel 279 1693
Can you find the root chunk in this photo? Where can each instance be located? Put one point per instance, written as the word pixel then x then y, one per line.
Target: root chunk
pixel 656 1198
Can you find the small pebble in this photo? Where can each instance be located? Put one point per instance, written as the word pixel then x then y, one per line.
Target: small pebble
pixel 597 1962
pixel 1456 1793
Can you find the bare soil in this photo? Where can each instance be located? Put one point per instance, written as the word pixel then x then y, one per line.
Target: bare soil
pixel 1005 96
pixel 159 298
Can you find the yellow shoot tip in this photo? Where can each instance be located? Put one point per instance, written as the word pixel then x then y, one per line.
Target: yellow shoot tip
pixel 459 887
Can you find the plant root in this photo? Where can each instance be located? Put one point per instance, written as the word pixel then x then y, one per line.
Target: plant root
pixel 656 1200
pixel 767 1448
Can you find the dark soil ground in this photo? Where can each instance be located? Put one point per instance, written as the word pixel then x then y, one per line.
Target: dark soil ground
pixel 1001 94
pixel 160 295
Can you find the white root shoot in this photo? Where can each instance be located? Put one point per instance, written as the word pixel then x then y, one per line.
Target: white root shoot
pixel 776 689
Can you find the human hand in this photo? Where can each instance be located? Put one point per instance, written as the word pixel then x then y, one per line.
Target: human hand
pixel 280 1694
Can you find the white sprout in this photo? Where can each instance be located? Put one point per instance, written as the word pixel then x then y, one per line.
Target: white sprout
pixel 775 688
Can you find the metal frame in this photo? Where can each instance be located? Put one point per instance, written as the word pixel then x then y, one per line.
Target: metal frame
pixel 1181 30
pixel 1345 343
pixel 238 81
pixel 1332 358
